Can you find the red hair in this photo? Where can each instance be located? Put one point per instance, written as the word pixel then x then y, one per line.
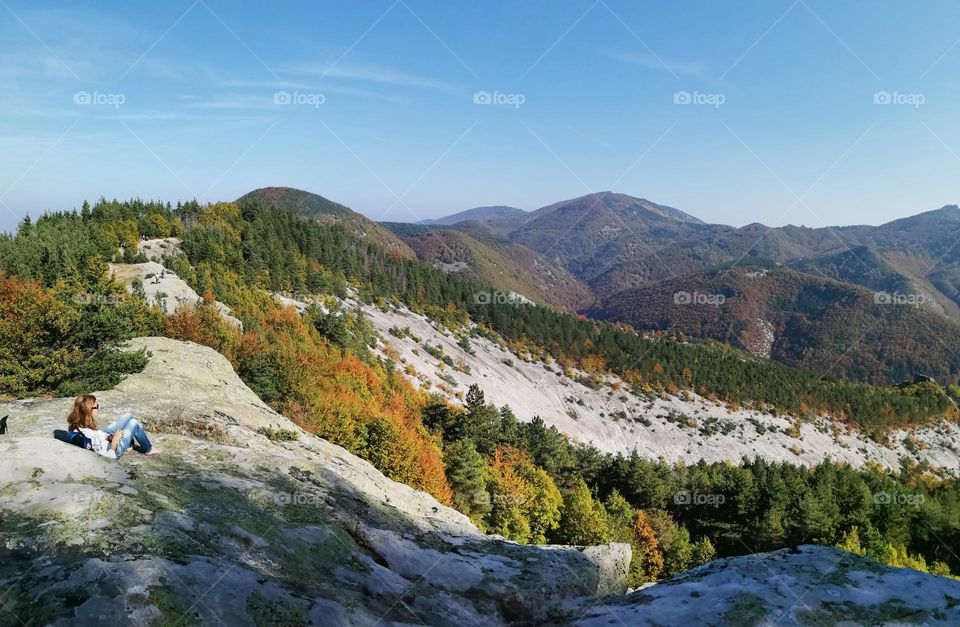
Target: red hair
pixel 82 414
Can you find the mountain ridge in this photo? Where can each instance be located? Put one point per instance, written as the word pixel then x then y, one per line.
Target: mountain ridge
pixel 585 253
pixel 494 212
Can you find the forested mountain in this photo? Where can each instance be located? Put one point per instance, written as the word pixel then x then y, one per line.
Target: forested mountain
pixel 326 211
pixel 634 255
pixel 827 326
pixel 585 234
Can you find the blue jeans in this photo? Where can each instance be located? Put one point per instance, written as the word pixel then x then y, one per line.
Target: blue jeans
pixel 131 429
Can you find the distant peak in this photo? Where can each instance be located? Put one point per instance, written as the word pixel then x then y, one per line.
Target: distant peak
pixel 274 190
pixel 949 213
pixel 489 213
pixel 619 202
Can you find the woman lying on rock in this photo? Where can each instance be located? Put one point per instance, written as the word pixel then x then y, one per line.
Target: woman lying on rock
pixel 116 439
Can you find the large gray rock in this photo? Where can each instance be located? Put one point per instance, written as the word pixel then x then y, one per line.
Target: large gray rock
pixel 808 585
pixel 228 526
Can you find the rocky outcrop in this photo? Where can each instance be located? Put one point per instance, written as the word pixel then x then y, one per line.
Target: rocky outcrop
pixel 808 585
pixel 227 525
pixel 163 288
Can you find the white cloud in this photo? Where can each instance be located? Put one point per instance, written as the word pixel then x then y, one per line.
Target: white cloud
pixel 274 84
pixel 343 90
pixel 364 73
pixel 650 62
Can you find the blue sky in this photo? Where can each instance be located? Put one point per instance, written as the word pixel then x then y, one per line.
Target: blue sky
pixel 774 111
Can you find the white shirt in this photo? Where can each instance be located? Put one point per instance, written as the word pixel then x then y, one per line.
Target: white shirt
pixel 100 441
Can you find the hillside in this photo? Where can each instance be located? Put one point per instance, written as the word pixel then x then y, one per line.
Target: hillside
pixel 160 285
pixel 229 526
pixel 861 265
pixel 830 327
pixel 326 211
pixel 685 430
pixel 471 251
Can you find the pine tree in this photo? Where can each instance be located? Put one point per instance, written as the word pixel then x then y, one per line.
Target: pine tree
pixel 468 475
pixel 702 552
pixel 510 428
pixel 482 421
pixel 851 542
pixel 475 400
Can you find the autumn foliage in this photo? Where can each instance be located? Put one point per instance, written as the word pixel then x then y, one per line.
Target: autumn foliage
pixel 31 324
pixel 328 391
pixel 51 341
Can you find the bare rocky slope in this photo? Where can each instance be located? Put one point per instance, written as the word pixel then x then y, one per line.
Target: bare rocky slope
pixel 230 527
pixel 614 419
pixel 164 288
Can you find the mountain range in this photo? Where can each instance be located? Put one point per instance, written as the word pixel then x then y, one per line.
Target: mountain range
pixel 872 303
